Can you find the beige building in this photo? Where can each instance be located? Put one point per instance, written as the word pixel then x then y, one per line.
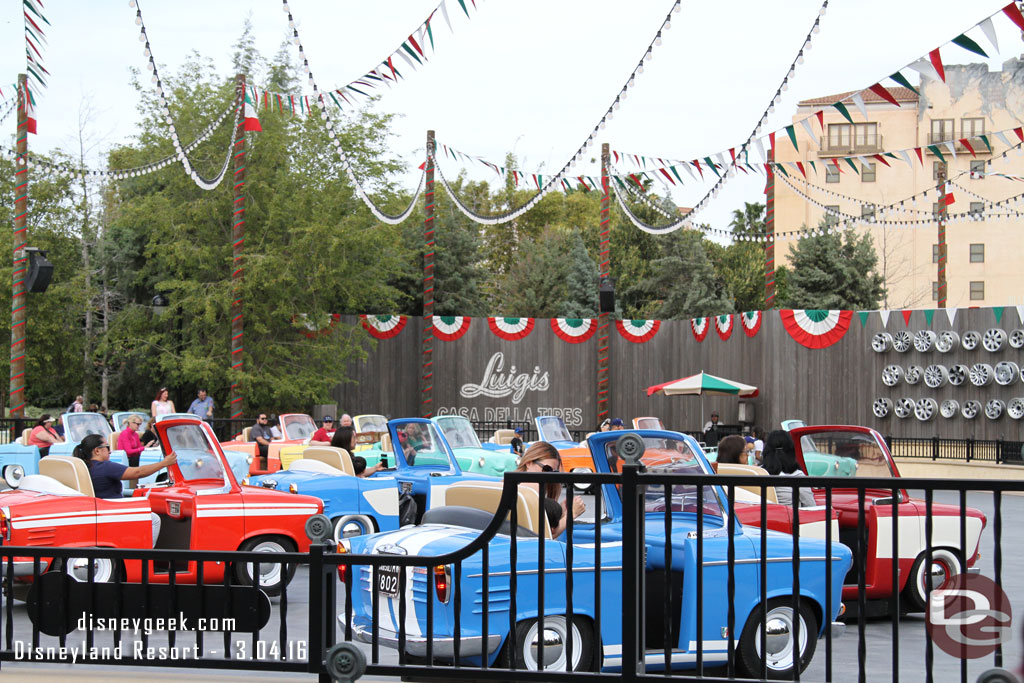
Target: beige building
pixel 983 241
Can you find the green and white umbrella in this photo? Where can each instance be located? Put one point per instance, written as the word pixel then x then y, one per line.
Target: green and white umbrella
pixel 700 384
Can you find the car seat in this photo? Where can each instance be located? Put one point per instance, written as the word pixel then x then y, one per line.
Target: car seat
pixel 70 471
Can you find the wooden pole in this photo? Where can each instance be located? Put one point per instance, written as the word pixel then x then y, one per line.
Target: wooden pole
pixel 427 376
pixel 237 409
pixel 769 242
pixel 604 319
pixel 19 300
pixel 942 234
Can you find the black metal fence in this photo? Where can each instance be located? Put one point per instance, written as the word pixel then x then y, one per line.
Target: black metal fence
pixel 967 450
pixel 607 574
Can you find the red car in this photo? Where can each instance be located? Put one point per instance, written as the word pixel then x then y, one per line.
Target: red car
pixel 204 508
pixel 847 451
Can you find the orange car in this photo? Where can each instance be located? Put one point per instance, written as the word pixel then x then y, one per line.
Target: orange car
pixel 295 429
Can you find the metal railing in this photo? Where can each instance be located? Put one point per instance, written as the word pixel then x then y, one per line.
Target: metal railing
pixel 996 451
pixel 610 575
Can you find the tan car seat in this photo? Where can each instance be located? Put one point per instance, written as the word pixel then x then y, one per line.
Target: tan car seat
pixel 486 496
pixel 503 437
pixel 70 471
pixel 338 458
pixel 747 470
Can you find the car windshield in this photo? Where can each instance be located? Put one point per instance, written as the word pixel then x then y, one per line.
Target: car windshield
pixel 421 445
pixel 844 454
pixel 670 456
pixel 121 418
pixel 81 425
pixel 197 458
pixel 371 423
pixel 298 426
pixel 551 428
pixel 649 423
pixel 459 432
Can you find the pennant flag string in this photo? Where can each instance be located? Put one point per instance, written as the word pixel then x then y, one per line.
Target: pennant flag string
pixel 35 39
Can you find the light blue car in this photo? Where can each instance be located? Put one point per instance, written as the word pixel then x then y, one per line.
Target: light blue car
pixel 468 450
pixel 671 604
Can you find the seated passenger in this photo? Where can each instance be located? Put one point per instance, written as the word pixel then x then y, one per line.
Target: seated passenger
pixel 106 475
pixel 731 451
pixel 543 457
pixel 359 465
pixel 780 459
pixel 43 435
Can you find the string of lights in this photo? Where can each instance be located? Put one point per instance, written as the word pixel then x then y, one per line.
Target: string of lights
pixel 330 125
pixel 180 154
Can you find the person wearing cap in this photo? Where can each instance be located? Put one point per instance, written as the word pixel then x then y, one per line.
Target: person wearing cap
pixel 748 448
pixel 321 437
pixel 711 430
pixel 516 445
pixel 43 435
pixel 202 407
pixel 617 424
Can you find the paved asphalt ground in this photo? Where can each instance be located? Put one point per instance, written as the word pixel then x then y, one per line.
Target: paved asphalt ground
pixel 878 664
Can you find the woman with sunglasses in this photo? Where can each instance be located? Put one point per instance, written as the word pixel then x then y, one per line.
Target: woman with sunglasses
pixel 106 475
pixel 543 457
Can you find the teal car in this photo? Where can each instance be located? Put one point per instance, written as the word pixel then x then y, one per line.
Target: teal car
pixel 820 464
pixel 470 454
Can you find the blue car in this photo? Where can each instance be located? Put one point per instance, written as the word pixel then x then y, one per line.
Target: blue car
pixel 418 472
pixel 598 645
pixel 469 452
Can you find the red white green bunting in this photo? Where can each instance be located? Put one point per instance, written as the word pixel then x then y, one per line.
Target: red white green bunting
pixel 751 322
pixel 816 329
pixel 384 326
pixel 511 329
pixel 638 331
pixel 574 330
pixel 450 327
pixel 723 325
pixel 699 327
pixel 311 330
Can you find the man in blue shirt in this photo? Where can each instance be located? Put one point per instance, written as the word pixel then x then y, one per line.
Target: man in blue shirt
pixel 202 407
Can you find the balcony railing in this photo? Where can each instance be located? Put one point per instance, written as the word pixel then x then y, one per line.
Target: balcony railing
pixel 833 148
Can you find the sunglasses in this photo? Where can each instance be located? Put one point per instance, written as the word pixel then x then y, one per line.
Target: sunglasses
pixel 547 468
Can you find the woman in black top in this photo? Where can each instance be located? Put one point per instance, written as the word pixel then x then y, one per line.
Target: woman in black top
pixel 543 457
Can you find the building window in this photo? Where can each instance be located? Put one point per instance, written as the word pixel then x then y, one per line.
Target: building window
pixel 832 215
pixel 977 209
pixel 977 253
pixel 935 253
pixel 936 165
pixel 977 290
pixel 935 291
pixel 972 128
pixel 867 173
pixel 865 137
pixel 831 173
pixel 977 169
pixel 867 211
pixel 942 130
pixel 935 210
pixel 839 135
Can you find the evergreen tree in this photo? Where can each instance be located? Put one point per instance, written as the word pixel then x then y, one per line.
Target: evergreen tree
pixel 581 281
pixel 740 265
pixel 833 271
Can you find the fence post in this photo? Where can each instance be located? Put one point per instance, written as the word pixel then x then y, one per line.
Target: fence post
pixel 317 652
pixel 999 450
pixel 632 568
pixel 935 448
pixel 970 448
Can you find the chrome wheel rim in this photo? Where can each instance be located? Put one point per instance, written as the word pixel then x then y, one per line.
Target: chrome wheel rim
pixel 554 646
pixel 779 639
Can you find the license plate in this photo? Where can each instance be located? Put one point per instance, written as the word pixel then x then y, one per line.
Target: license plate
pixel 387 580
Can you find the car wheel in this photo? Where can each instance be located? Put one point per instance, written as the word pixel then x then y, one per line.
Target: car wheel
pixel 945 563
pixel 274 576
pixel 78 569
pixel 348 526
pixel 526 653
pixel 780 639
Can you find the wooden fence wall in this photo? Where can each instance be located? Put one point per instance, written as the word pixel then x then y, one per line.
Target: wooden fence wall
pixel 542 374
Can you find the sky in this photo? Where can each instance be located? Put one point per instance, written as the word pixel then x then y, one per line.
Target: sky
pixel 532 77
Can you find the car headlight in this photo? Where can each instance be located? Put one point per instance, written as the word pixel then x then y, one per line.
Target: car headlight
pixel 482 462
pixel 13 475
pixel 293 488
pixel 269 483
pixel 245 481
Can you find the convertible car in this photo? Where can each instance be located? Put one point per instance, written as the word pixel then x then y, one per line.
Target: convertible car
pixel 419 472
pixel 865 450
pixel 203 508
pixel 596 640
pixel 472 456
pixel 296 428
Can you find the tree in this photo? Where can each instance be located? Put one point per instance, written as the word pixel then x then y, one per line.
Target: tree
pixel 833 271
pixel 581 281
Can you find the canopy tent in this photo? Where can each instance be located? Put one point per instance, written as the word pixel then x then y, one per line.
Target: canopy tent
pixel 700 384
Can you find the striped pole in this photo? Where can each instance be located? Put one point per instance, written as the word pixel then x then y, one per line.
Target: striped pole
pixel 941 218
pixel 769 243
pixel 427 383
pixel 19 300
pixel 237 406
pixel 604 319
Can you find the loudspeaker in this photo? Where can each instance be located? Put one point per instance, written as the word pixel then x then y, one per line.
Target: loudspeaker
pixel 40 271
pixel 607 295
